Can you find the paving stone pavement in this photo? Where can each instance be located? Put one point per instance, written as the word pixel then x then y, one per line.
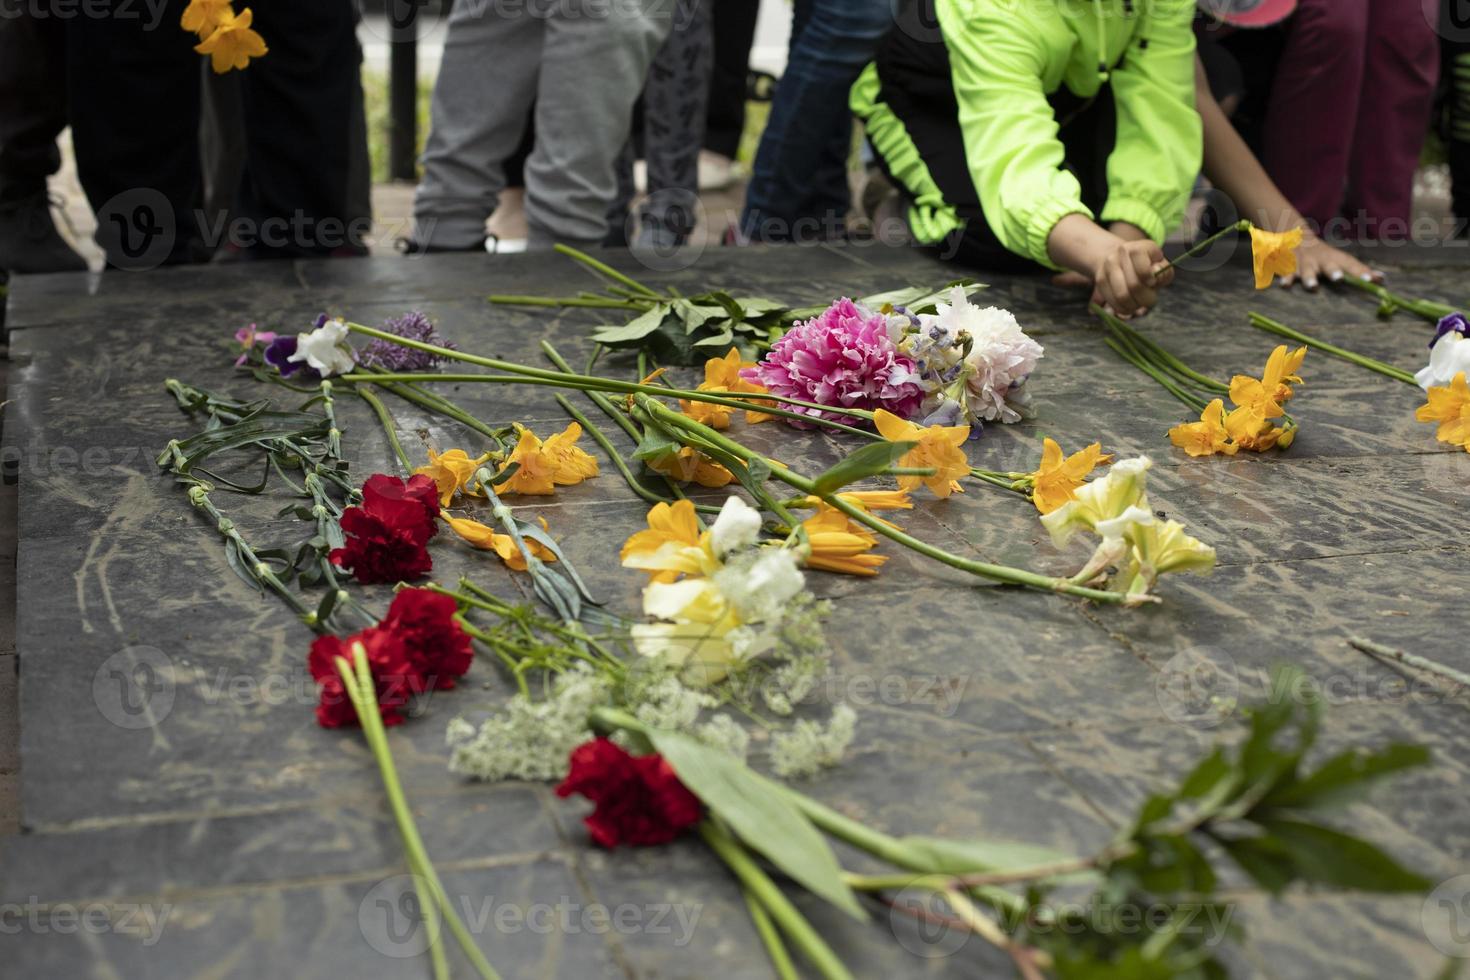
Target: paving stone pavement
pixel 210 828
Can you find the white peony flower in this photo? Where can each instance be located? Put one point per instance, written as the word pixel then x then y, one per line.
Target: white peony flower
pixel 325 349
pixel 1000 358
pixel 1449 356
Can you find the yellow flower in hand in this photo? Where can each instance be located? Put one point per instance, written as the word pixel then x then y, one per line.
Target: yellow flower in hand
pixel 938 446
pixel 451 472
pixel 1056 480
pixel 840 545
pixel 1450 407
pixel 203 16
pixel 672 546
pixel 233 43
pixel 689 466
pixel 488 539
pixel 542 466
pixel 1274 253
pixel 1206 437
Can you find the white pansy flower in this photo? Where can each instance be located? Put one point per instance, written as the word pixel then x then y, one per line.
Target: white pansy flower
pixel 1449 356
pixel 325 349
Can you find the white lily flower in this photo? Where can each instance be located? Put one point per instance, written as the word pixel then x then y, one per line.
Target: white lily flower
pixel 736 527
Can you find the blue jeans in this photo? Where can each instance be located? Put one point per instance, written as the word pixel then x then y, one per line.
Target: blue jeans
pixel 798 186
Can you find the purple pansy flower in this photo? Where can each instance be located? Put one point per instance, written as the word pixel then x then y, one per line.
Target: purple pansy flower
pixel 278 355
pixel 1454 323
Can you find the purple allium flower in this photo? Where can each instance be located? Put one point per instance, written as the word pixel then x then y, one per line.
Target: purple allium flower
pixel 843 358
pixel 384 355
pixel 1454 323
pixel 278 355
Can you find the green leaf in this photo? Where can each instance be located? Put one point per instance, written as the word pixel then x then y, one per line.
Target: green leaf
pixel 760 813
pixel 656 442
pixel 635 329
pixel 868 461
pixel 1324 856
pixel 725 338
pixel 695 316
pixel 1345 777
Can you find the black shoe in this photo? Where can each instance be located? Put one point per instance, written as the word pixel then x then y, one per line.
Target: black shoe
pixel 407 246
pixel 29 241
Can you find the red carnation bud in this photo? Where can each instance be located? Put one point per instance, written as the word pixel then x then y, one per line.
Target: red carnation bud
pixel 640 800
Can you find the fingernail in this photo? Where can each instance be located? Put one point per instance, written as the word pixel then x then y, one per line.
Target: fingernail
pixel 1366 277
pixel 1311 284
pixel 1335 275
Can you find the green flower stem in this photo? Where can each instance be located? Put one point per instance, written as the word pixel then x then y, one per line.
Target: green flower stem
pixel 571 301
pixel 259 570
pixel 389 428
pixel 1146 347
pixel 1282 330
pixel 360 688
pixel 1235 229
pixel 1189 399
pixel 1425 309
pixel 999 573
pixel 606 270
pixel 401 386
pixel 999 480
pixel 777 905
pixel 770 937
pixel 1411 660
pixel 910 471
pixel 617 460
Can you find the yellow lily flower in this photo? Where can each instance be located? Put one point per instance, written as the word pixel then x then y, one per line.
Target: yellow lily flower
pixel 672 545
pixel 839 545
pixel 697 638
pixel 1056 480
pixel 543 466
pixel 1450 407
pixel 1249 429
pixel 1206 437
pixel 1274 254
pixel 488 539
pixel 1106 506
pixel 203 16
pixel 1157 549
pixel 451 472
pixel 690 466
pixel 723 374
pixel 232 43
pixel 938 446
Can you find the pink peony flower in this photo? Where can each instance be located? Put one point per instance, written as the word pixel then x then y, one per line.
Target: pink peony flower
pixel 844 358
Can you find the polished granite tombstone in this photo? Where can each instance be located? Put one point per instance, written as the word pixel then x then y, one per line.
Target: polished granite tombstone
pixel 176 789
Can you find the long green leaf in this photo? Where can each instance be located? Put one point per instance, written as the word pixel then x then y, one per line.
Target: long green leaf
pixel 868 461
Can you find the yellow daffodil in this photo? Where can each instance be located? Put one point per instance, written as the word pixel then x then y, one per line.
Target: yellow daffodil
pixel 839 545
pixel 938 446
pixel 543 466
pixel 1274 254
pixel 232 43
pixel 1056 480
pixel 1206 437
pixel 488 539
pixel 1450 407
pixel 689 466
pixel 451 472
pixel 203 16
pixel 672 546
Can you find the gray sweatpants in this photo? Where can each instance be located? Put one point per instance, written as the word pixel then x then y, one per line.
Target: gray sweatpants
pixel 581 64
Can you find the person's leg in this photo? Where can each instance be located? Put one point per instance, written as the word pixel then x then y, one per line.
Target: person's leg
pixel 1398 95
pixel 733 29
pixel 674 109
pixel 134 111
pixel 1455 56
pixel 1315 105
pixel 32 115
pixel 798 186
pixel 580 127
pixel 297 105
pixel 482 99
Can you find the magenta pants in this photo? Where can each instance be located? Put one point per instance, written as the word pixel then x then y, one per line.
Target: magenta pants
pixel 1350 110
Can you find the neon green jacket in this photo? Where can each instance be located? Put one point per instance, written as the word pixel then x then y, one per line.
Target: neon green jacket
pixel 1006 58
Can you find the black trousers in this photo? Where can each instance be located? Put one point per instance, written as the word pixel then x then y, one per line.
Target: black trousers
pixel 32 101
pixel 135 111
pixel 734 33
pixel 913 66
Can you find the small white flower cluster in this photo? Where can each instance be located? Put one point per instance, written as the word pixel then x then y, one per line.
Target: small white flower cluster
pixel 809 746
pixel 530 739
pixel 973 362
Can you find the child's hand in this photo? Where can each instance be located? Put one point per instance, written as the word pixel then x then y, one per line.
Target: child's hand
pixel 1124 280
pixel 1315 260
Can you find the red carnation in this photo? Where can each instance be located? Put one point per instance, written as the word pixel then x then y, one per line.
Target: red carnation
pixel 640 800
pixel 437 648
pixel 387 534
pixel 397 502
pixel 394 677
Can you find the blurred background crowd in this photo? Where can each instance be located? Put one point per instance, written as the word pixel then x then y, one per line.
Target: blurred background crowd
pixel 655 123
